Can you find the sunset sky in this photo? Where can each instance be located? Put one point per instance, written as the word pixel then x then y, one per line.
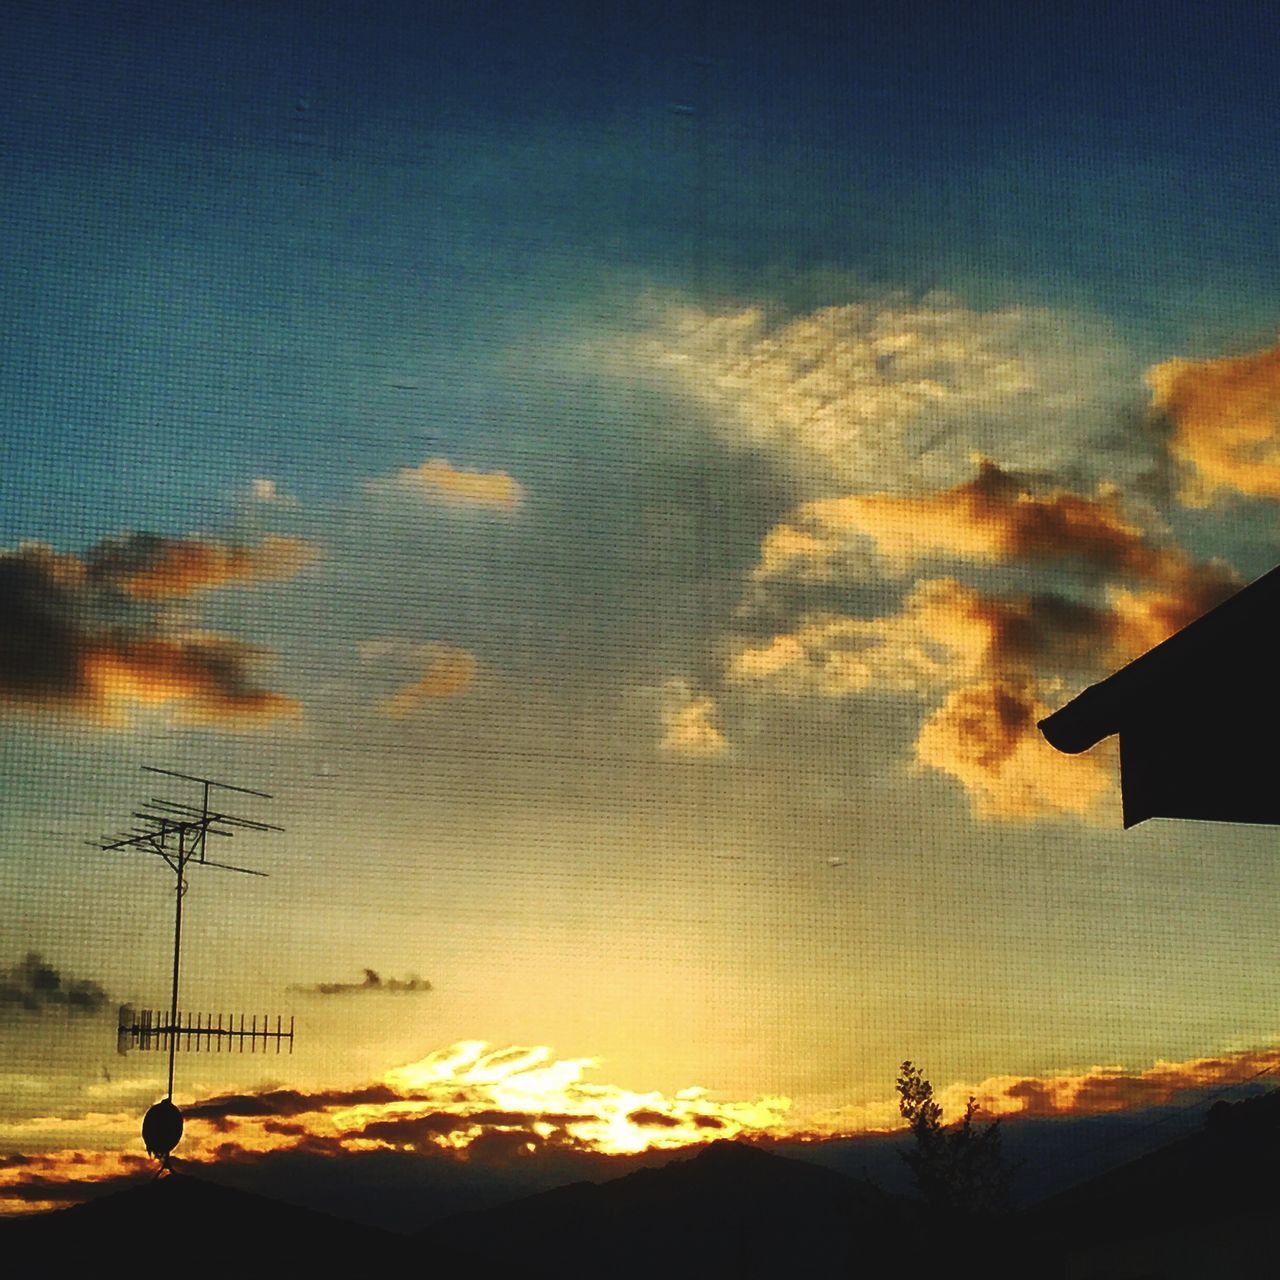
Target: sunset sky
pixel 626 480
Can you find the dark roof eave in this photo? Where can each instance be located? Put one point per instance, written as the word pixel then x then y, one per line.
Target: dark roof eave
pixel 1083 722
pixel 1129 693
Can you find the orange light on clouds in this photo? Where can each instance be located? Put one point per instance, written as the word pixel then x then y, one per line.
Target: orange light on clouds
pixel 445 1103
pixel 203 675
pixel 1224 416
pixel 173 568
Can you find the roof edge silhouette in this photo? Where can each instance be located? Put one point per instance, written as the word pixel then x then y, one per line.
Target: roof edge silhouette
pixel 1103 709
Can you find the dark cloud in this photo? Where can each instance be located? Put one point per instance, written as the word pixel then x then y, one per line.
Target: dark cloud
pixel 286 1102
pixel 654 1119
pixel 421 1128
pixel 372 982
pixel 32 985
pixel 284 1129
pixel 58 1191
pixel 88 636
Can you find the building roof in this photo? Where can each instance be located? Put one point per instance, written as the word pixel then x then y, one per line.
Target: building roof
pixel 1232 647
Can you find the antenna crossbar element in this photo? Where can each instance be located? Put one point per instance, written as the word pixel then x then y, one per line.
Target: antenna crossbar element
pixel 153 1029
pixel 208 782
pixel 190 812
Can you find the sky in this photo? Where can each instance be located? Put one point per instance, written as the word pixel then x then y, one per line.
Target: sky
pixel 626 480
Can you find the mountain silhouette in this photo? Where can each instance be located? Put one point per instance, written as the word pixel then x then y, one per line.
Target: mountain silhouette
pixel 730 1210
pixel 1204 1205
pixel 194 1227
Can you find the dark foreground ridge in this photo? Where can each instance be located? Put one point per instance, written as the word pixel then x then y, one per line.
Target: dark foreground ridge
pixel 191 1227
pixel 731 1210
pixel 1204 1205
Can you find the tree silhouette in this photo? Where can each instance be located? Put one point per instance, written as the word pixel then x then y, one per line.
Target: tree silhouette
pixel 961 1170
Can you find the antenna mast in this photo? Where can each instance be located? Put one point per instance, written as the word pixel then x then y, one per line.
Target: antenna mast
pixel 179 834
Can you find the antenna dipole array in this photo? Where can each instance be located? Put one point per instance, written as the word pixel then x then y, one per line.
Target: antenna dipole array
pixel 152 1028
pixel 178 833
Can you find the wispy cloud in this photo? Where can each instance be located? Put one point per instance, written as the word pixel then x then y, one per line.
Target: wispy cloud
pixel 891 392
pixel 690 731
pixel 148 566
pixel 373 983
pixel 442 671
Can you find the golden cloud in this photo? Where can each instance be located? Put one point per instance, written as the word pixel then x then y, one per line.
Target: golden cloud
pixel 439 480
pixel 459 1100
pixel 989 663
pixel 995 516
pixel 985 655
pixel 984 735
pixel 148 566
pixel 1224 417
pixel 206 677
pixel 82 635
pixel 470 1100
pixel 893 391
pixel 945 634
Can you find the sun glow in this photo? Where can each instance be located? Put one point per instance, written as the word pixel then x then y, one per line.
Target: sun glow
pixel 530 1089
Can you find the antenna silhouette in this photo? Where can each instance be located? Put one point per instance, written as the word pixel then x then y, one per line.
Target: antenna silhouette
pixel 179 834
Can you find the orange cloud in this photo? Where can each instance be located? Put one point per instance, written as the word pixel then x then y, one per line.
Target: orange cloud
pixel 440 480
pixel 1224 418
pixel 1102 1090
pixel 945 634
pixel 472 1101
pixel 74 638
pixel 989 663
pixel 985 656
pixel 463 1099
pixel 150 567
pixel 450 671
pixel 1097 1090
pixel 996 516
pixel 205 676
pixel 984 735
pixel 1143 617
pixel 1156 587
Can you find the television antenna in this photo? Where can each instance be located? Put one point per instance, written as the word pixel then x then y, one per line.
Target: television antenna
pixel 179 834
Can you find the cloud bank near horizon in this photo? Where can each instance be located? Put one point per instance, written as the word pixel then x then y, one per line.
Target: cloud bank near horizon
pixel 493 1107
